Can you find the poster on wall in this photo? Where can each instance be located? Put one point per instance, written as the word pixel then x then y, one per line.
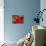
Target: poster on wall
pixel 17 19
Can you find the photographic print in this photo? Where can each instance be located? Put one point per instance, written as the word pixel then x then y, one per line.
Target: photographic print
pixel 16 19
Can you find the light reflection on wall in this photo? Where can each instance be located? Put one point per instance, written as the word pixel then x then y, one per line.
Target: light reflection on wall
pixel 1 21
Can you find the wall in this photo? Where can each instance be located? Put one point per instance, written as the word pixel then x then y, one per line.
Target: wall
pixel 1 20
pixel 28 8
pixel 43 6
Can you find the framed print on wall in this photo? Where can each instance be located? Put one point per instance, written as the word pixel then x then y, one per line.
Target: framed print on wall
pixel 16 19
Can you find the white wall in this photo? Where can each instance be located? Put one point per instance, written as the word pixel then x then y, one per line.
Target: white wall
pixel 1 20
pixel 43 6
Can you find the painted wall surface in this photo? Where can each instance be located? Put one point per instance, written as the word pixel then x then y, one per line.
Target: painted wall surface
pixel 1 20
pixel 28 8
pixel 43 6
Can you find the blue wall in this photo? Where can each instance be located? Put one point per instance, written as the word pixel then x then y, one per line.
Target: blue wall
pixel 13 32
